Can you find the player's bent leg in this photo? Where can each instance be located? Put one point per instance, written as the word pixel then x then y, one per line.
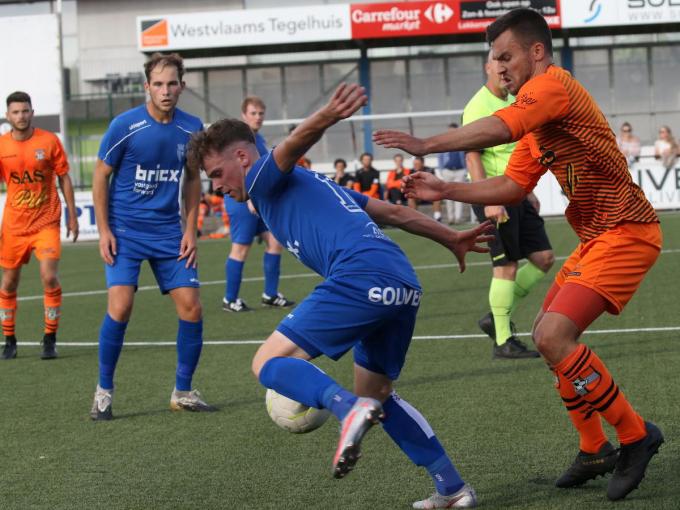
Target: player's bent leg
pixel 556 336
pixel 283 366
pixel 277 345
pixel 593 382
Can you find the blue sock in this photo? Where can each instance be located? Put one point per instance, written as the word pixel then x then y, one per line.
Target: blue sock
pixel 111 336
pixel 189 345
pixel 271 264
pixel 300 380
pixel 410 430
pixel 234 272
pixel 338 400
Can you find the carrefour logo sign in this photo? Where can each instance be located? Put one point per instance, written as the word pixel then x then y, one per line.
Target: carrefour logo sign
pixel 439 13
pixel 402 19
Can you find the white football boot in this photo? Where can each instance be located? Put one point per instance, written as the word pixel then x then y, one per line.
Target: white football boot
pixel 466 497
pixel 101 407
pixel 365 413
pixel 189 401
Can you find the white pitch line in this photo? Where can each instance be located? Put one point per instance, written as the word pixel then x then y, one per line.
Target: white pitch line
pixel 282 277
pixel 165 343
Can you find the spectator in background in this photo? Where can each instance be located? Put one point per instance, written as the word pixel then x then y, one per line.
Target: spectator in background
pixel 419 166
pixel 666 147
pixel 393 187
pixel 628 143
pixel 451 168
pixel 367 178
pixel 341 178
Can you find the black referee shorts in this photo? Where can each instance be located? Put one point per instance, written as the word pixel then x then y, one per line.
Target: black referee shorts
pixel 523 234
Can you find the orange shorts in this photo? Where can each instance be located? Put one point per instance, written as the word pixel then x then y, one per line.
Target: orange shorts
pixel 16 250
pixel 614 263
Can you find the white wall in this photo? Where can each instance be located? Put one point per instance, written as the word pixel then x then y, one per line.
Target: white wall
pixel 107 33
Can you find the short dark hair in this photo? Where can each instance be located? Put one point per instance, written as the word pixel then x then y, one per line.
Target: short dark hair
pixel 254 100
pixel 340 160
pixel 18 97
pixel 164 59
pixel 419 158
pixel 365 154
pixel 527 24
pixel 216 138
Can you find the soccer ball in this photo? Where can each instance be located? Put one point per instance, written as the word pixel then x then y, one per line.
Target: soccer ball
pixel 294 416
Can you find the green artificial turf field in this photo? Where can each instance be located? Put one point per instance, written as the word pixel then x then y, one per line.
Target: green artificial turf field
pixel 501 421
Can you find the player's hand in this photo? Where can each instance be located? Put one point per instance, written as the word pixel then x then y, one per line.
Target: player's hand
pixel 474 239
pixel 534 201
pixel 72 228
pixel 391 139
pixel 187 249
pixel 346 100
pixel 107 246
pixel 496 213
pixel 423 186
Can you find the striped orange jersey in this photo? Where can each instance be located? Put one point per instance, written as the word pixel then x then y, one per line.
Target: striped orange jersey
pixel 29 168
pixel 560 128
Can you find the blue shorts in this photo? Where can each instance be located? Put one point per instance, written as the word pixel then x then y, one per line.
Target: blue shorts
pixel 374 314
pixel 162 256
pixel 243 225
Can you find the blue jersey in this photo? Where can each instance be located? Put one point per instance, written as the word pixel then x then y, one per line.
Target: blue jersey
pixel 148 160
pixel 261 144
pixel 323 225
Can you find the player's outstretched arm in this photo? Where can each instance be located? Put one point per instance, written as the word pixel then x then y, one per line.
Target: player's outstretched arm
pixel 480 134
pixel 497 190
pixel 192 199
pixel 66 187
pixel 100 197
pixel 346 100
pixel 414 222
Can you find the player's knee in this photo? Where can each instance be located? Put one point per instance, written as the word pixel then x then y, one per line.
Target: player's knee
pixel 50 281
pixel 259 360
pixel 378 389
pixel 545 260
pixel 10 284
pixel 239 251
pixel 120 312
pixel 191 312
pixel 549 341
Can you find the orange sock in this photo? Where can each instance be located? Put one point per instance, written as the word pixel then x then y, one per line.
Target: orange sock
pixel 52 300
pixel 592 382
pixel 585 418
pixel 8 312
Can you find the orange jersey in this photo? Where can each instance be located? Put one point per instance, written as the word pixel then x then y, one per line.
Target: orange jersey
pixel 561 129
pixel 29 168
